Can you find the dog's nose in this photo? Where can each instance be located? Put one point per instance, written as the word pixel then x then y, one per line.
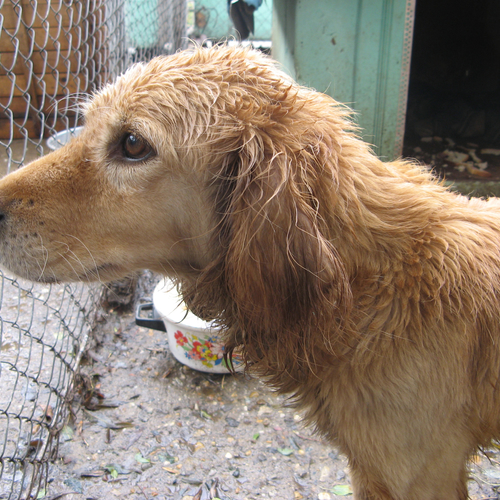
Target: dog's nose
pixel 5 205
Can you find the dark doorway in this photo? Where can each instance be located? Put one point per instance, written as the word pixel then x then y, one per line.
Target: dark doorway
pixel 454 92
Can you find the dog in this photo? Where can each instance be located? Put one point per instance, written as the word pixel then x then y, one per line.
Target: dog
pixel 364 290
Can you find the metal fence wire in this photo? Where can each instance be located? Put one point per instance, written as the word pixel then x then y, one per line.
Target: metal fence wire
pixel 53 54
pixel 43 332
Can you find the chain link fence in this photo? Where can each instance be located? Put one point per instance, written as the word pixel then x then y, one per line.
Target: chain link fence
pixel 53 55
pixel 43 332
pixel 215 20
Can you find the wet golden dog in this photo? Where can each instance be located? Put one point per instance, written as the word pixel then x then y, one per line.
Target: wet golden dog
pixel 363 289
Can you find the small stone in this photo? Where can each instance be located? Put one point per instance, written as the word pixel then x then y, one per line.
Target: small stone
pixel 232 422
pixel 265 410
pixel 492 474
pixel 74 484
pixel 324 474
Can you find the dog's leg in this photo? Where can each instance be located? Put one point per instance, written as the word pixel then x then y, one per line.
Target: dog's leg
pixel 409 458
pixel 440 483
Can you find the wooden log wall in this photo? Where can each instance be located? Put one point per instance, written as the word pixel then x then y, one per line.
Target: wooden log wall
pixel 52 53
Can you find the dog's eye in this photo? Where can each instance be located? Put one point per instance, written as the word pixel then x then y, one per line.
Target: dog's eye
pixel 136 148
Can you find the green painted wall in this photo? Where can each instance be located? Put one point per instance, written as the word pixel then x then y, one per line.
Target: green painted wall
pixel 357 51
pixel 141 21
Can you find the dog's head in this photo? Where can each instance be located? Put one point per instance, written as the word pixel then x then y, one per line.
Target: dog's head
pixel 211 166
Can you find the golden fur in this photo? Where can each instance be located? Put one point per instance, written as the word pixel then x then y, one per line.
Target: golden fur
pixel 365 290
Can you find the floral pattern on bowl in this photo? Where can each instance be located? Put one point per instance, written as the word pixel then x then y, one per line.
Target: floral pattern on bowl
pixel 209 351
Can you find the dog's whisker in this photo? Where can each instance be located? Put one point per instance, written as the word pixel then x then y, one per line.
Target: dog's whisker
pixel 76 259
pixel 45 260
pixel 77 275
pixel 96 267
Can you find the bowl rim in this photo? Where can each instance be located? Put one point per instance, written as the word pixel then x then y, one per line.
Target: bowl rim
pixel 61 138
pixel 169 305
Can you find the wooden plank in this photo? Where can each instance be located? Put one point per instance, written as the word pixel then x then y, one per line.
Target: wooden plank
pixel 18 105
pixel 67 39
pixel 8 87
pixel 30 84
pixel 57 37
pixel 96 41
pixel 6 129
pixel 45 62
pixel 44 14
pixel 53 85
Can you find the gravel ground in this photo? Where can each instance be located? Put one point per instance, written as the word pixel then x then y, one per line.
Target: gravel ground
pixel 154 429
pixel 161 430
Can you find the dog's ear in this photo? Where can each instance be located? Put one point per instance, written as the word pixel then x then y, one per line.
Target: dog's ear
pixel 284 276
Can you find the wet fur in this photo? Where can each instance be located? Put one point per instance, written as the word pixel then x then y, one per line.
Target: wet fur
pixel 363 289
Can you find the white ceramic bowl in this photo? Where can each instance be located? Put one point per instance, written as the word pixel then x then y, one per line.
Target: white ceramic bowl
pixel 193 342
pixel 62 138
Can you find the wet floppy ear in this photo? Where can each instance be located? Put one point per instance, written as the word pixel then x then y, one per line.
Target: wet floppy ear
pixel 284 275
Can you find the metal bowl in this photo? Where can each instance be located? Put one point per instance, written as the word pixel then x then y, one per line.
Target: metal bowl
pixel 62 138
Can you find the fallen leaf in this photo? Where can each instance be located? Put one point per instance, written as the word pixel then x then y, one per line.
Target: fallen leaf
pixel 455 156
pixel 113 473
pixel 342 490
pixel 141 459
pixel 476 171
pixel 67 433
pixel 490 151
pixel 171 470
pixel 165 457
pixel 49 413
pixel 116 469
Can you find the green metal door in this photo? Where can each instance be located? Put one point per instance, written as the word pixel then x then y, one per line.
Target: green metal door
pixel 357 51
